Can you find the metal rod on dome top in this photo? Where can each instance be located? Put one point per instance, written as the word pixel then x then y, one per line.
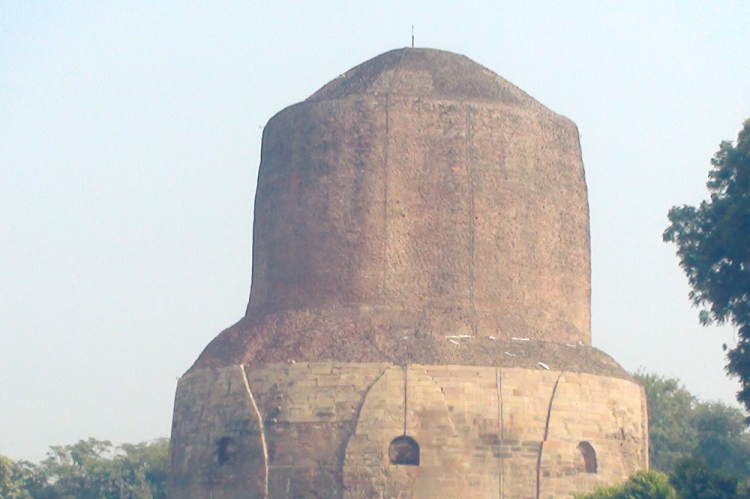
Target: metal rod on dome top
pixel 412 36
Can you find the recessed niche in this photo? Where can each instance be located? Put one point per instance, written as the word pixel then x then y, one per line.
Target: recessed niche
pixel 225 448
pixel 404 450
pixel 589 457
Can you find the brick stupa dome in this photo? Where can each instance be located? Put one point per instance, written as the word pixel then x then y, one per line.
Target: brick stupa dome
pixel 419 318
pixel 417 197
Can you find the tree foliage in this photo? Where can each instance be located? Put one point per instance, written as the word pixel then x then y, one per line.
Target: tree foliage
pixel 713 245
pixel 671 434
pixel 90 469
pixel 693 478
pixel 645 484
pixel 681 427
pixel 15 479
pixel 721 439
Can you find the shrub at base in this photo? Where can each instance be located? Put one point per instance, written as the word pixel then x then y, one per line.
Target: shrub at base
pixel 642 485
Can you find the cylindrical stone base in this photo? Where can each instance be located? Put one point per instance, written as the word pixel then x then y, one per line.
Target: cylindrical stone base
pixel 356 431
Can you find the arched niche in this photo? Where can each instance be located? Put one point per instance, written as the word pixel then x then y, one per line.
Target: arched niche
pixel 404 450
pixel 589 457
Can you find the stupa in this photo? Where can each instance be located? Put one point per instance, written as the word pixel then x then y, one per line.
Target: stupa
pixel 419 316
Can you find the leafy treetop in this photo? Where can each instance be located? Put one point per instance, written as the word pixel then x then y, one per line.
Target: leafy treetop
pixel 713 245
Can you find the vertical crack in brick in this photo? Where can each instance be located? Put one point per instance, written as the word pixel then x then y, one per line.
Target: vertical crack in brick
pixel 355 419
pixel 406 388
pixel 262 430
pixel 544 439
pixel 500 431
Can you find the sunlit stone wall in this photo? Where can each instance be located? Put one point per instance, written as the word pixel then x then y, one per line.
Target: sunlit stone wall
pixel 324 430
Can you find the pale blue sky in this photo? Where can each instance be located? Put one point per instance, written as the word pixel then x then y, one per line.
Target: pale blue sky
pixel 129 146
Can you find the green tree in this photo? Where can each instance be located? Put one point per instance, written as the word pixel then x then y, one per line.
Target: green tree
pixel 672 436
pixel 681 427
pixel 94 469
pixel 641 485
pixel 152 458
pixel 721 439
pixel 713 245
pixel 694 479
pixel 80 471
pixel 15 479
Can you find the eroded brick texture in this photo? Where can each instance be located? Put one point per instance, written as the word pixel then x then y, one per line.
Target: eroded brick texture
pixel 418 195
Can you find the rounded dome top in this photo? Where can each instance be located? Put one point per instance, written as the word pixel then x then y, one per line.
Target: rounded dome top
pixel 416 199
pixel 426 73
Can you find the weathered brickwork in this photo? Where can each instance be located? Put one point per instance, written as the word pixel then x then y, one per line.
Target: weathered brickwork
pixel 324 430
pixel 419 317
pixel 418 195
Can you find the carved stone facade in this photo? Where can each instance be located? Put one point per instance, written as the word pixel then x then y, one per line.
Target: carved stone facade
pixel 419 320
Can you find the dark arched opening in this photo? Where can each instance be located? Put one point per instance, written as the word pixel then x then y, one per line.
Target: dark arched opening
pixel 589 457
pixel 404 450
pixel 225 450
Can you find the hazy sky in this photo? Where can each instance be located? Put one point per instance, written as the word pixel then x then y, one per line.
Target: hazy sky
pixel 130 141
